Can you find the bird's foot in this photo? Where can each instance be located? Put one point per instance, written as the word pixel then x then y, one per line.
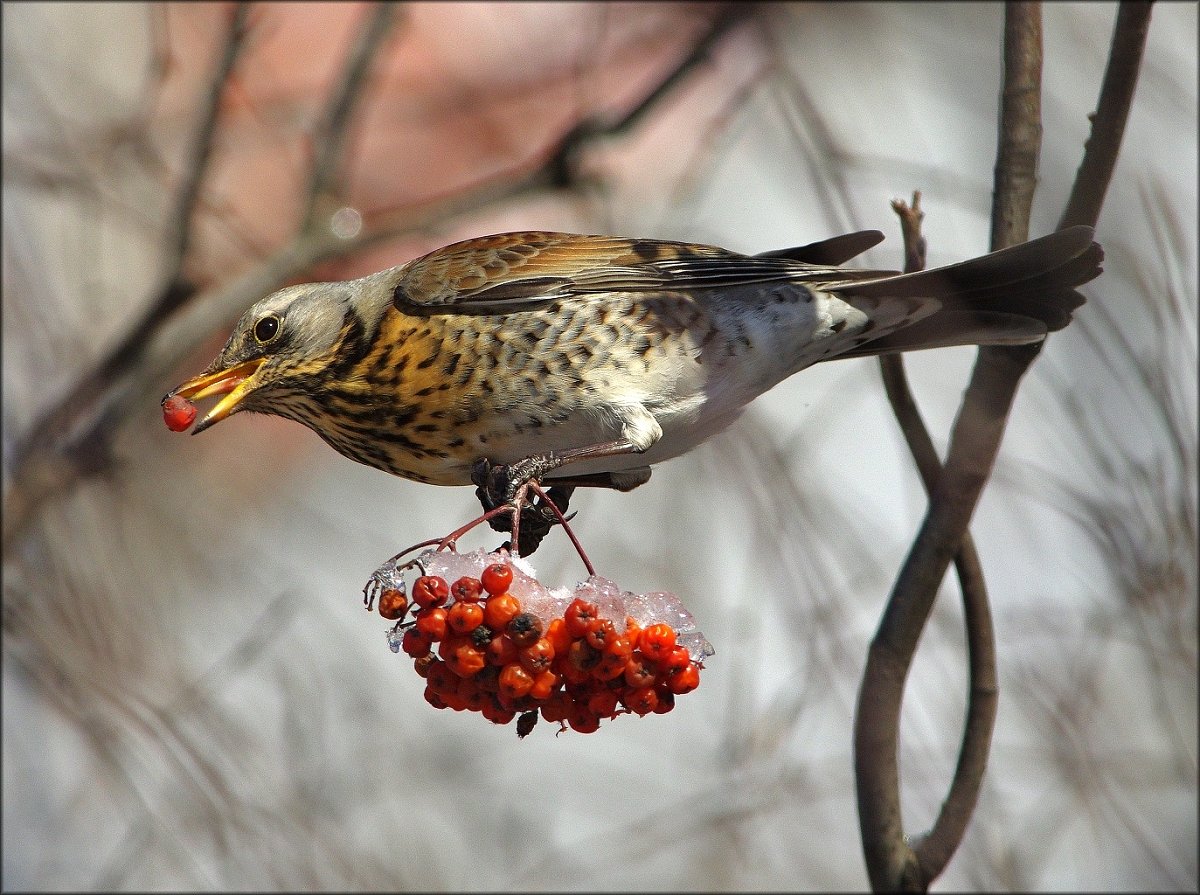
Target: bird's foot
pixel 533 515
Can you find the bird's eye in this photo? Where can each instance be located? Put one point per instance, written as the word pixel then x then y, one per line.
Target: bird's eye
pixel 266 329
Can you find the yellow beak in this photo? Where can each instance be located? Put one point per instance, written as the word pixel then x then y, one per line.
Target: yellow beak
pixel 233 383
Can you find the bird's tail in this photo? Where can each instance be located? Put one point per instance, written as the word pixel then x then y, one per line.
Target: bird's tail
pixel 1010 297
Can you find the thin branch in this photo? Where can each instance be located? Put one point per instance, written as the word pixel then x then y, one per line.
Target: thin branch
pixel 1112 111
pixel 1020 125
pixel 975 441
pixel 332 136
pixel 563 162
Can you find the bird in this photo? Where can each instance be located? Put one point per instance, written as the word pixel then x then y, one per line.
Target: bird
pixel 587 359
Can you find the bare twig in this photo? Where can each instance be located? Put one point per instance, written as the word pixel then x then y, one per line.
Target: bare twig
pixel 891 862
pixel 1112 111
pixel 974 444
pixel 334 131
pixel 563 162
pixel 1020 125
pixel 933 851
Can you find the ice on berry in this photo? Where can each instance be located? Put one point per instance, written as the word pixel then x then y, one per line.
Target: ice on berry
pixel 574 688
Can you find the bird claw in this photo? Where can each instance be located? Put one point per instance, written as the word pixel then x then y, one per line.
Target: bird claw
pixel 504 484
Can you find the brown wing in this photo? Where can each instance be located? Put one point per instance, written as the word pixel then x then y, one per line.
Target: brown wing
pixel 510 270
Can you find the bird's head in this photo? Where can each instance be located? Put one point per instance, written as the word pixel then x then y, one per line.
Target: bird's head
pixel 280 351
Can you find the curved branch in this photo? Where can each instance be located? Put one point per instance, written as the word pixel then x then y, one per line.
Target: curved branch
pixel 975 441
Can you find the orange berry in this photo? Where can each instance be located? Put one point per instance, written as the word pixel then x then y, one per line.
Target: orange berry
pixel 684 680
pixel 640 671
pixel 536 657
pixel 431 623
pixel 543 685
pixel 466 590
pixel 641 701
pixel 579 615
pixel 501 651
pixel 599 632
pixel 463 618
pixel 415 644
pixel 583 721
pixel 466 660
pixel 515 681
pixel 499 610
pixel 603 704
pixel 559 637
pixel 666 700
pixel 496 578
pixel 393 603
pixel 430 590
pixel 657 641
pixel 678 658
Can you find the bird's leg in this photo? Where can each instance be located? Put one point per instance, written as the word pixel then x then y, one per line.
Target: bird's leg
pixel 500 484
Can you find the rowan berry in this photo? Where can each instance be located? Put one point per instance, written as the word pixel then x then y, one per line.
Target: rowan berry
pixel 466 660
pixel 583 656
pixel 666 700
pixel 466 590
pixel 515 681
pixel 496 578
pixel 640 671
pixel 499 610
pixel 501 650
pixel 684 680
pixel 657 641
pixel 430 590
pixel 536 657
pixel 463 618
pixel 178 412
pixel 544 683
pixel 431 623
pixel 641 701
pixel 599 632
pixel 603 703
pixel 678 658
pixel 583 721
pixel 393 603
pixel 556 633
pixel 578 615
pixel 415 644
pixel 524 629
pixel 609 667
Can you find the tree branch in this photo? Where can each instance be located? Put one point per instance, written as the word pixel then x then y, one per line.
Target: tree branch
pixel 1112 111
pixel 975 440
pixel 332 135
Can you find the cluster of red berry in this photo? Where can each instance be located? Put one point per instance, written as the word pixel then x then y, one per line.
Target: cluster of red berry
pixel 479 651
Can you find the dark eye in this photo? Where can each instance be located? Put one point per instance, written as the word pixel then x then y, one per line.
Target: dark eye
pixel 266 329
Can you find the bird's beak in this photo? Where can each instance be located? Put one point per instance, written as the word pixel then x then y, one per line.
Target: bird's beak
pixel 234 383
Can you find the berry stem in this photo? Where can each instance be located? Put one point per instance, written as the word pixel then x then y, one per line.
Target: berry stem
pixel 562 520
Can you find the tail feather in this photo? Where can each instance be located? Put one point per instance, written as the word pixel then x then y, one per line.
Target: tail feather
pixel 1013 296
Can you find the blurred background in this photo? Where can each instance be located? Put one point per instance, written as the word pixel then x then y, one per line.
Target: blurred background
pixel 194 697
